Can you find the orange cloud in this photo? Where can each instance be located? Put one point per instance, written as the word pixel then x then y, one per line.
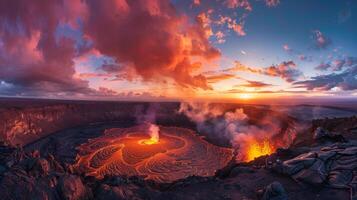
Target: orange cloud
pixel 286 70
pixel 237 27
pixel 255 84
pixel 219 77
pixel 152 37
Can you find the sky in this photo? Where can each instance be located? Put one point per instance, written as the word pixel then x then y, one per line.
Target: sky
pixel 178 49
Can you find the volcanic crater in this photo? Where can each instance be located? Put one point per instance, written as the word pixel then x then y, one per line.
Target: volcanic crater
pixel 178 154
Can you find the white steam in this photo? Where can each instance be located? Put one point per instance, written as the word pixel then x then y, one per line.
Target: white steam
pixel 234 125
pixel 154 132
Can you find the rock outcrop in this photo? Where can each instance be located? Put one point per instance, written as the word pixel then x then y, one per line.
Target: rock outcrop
pixel 35 177
pixel 274 191
pixel 333 165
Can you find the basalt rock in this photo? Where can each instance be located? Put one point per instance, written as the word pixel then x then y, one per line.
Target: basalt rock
pixel 122 192
pixel 334 165
pixel 71 187
pixel 323 135
pixel 274 191
pixel 35 177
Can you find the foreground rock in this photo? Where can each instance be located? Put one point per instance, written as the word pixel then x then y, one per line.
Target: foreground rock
pixel 334 165
pixel 323 135
pixel 35 177
pixel 122 188
pixel 71 187
pixel 275 191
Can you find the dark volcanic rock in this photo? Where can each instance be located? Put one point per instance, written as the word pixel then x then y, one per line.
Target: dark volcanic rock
pixel 39 167
pixel 25 124
pixel 124 188
pixel 275 191
pixel 33 177
pixel 323 135
pixel 319 166
pixel 18 184
pixel 72 188
pixel 334 165
pixel 320 133
pixel 122 192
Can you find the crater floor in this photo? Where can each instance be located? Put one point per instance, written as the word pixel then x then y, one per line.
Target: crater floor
pixel 180 153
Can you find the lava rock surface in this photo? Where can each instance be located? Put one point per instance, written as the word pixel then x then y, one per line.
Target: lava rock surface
pixel 180 153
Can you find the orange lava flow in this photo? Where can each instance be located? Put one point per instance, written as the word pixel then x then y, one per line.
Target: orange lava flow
pixel 151 141
pixel 256 149
pixel 178 154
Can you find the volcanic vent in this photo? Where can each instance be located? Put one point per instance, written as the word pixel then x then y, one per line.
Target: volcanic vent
pixel 177 154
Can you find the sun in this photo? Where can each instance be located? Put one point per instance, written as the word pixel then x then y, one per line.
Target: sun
pixel 245 96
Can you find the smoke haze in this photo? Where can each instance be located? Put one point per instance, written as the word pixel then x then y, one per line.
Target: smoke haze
pixel 236 126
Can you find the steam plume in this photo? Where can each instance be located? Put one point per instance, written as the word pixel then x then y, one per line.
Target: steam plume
pixel 154 132
pixel 148 118
pixel 236 126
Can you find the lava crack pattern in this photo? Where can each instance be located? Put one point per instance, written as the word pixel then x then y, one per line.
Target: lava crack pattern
pixel 180 153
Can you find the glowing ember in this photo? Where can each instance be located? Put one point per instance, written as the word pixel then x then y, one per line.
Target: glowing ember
pixel 126 151
pixel 256 149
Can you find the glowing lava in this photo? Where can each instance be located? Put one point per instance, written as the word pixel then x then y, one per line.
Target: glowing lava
pixel 154 136
pixel 150 141
pixel 256 149
pixel 178 154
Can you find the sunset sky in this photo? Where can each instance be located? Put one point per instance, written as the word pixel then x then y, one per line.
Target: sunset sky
pixel 178 49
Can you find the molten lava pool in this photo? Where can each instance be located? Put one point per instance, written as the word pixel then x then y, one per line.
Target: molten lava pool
pixel 178 153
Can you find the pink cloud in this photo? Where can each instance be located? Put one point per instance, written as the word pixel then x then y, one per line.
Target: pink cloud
pixel 272 3
pixel 32 57
pixel 232 24
pixel 239 4
pixel 320 40
pixel 196 2
pixel 286 70
pixel 286 47
pixel 152 37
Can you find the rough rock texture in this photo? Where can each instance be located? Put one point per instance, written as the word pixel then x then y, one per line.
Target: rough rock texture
pixel 21 126
pixel 336 124
pixel 32 176
pixel 43 168
pixel 323 135
pixel 275 191
pixel 334 165
pixel 71 188
pixel 26 121
pixel 180 153
pixel 120 188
